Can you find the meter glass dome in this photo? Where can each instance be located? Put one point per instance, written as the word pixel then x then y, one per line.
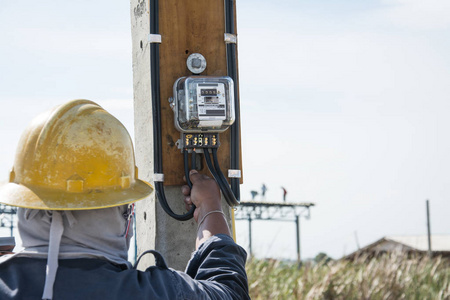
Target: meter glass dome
pixel 203 103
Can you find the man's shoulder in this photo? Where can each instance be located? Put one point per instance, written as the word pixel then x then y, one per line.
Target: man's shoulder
pixel 84 278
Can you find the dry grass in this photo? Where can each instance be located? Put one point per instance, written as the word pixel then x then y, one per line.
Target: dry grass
pixel 386 277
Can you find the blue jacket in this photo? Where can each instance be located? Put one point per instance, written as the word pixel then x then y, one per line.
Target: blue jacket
pixel 215 271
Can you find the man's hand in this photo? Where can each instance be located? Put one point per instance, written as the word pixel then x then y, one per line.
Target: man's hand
pixel 205 195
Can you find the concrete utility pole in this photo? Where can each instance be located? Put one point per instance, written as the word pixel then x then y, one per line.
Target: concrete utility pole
pixel 185 27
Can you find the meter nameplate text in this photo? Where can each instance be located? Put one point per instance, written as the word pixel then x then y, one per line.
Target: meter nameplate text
pixel 211 101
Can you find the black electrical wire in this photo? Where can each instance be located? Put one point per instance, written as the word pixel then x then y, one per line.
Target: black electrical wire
pixel 156 111
pixel 193 160
pixel 232 201
pixel 159 189
pixel 232 72
pixel 211 168
pixel 186 168
pixel 155 89
pixel 227 194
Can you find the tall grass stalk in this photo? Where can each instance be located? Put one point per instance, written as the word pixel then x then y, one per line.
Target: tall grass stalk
pixel 387 277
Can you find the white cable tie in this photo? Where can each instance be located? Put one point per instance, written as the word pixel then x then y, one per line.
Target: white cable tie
pixel 234 173
pixel 158 177
pixel 154 38
pixel 230 38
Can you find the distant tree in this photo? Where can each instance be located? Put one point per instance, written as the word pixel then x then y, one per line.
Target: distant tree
pixel 322 258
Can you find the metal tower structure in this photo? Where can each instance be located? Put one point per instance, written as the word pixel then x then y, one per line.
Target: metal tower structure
pixel 273 211
pixel 7 214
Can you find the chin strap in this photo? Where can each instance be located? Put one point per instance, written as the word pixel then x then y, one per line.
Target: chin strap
pixel 56 231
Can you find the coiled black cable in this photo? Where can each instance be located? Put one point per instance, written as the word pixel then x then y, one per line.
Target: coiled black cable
pixel 159 189
pixel 156 110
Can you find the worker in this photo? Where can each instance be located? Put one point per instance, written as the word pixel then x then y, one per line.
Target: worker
pixel 284 193
pixel 263 191
pixel 74 180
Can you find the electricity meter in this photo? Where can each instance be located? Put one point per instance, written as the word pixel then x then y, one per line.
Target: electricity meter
pixel 203 104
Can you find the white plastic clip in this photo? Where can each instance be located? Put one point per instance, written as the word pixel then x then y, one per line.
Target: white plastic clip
pixel 234 173
pixel 158 177
pixel 230 38
pixel 154 38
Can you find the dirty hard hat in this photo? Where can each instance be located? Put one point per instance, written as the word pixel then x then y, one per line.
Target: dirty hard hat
pixel 74 157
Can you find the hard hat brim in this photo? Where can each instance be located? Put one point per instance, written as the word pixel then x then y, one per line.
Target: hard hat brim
pixel 14 194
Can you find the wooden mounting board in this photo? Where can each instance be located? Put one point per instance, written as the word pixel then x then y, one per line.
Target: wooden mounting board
pixel 188 27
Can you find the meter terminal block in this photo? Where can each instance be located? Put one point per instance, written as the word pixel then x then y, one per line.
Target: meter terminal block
pixel 200 140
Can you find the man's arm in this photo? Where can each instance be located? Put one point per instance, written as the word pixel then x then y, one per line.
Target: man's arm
pixel 218 265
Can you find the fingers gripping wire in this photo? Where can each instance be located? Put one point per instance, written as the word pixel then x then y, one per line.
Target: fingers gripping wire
pixel 159 188
pixel 162 200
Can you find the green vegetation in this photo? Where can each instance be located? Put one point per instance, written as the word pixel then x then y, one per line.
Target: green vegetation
pixel 387 277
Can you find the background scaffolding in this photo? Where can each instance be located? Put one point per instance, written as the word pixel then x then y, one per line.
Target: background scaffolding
pixel 273 211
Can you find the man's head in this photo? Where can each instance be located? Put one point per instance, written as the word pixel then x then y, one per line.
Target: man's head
pixel 74 157
pixel 70 162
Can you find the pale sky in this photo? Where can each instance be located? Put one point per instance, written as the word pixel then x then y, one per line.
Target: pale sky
pixel 344 103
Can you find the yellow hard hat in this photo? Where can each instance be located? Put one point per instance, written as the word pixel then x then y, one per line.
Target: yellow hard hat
pixel 74 157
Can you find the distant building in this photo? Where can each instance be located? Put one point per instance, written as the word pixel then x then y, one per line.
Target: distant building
pixel 417 245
